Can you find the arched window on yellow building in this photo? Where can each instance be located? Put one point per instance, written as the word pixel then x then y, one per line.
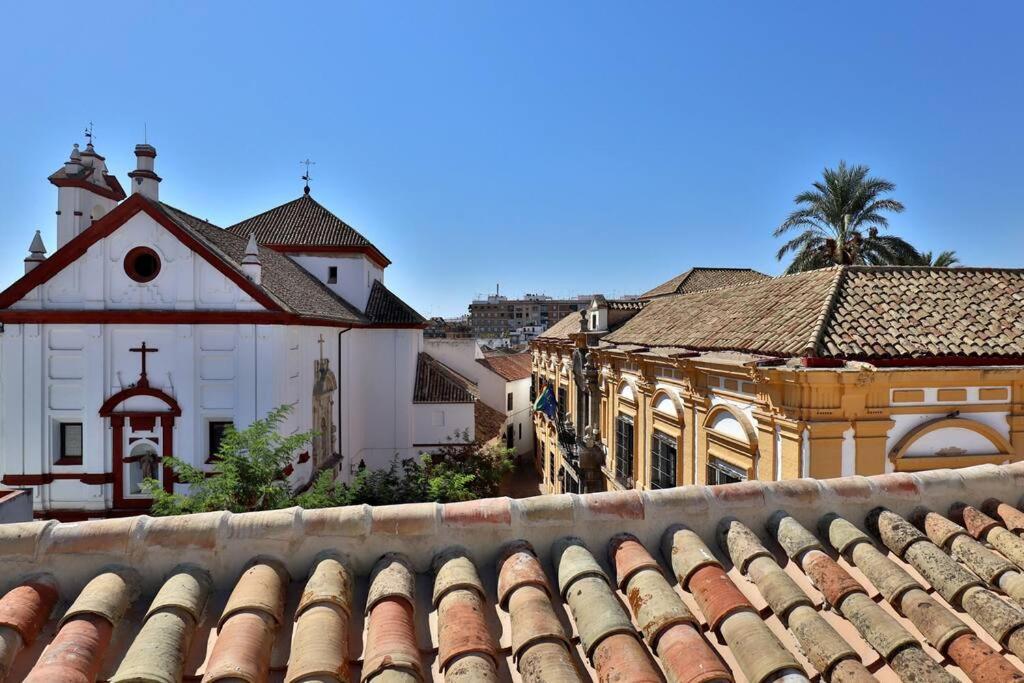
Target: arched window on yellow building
pixel 731 446
pixel 666 457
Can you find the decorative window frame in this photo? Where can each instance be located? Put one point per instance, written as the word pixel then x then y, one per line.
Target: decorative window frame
pixel 1002 452
pixel 728 448
pixel 129 264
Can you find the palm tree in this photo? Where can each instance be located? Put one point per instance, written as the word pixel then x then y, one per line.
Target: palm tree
pixel 840 220
pixel 945 259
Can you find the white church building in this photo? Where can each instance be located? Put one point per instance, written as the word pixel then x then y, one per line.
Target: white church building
pixel 147 331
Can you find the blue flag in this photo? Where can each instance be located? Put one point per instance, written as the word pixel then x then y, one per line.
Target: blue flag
pixel 546 403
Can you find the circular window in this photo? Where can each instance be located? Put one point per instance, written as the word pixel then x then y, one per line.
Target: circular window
pixel 142 264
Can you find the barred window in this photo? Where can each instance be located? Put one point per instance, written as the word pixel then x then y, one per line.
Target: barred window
pixel 721 472
pixel 663 461
pixel 623 447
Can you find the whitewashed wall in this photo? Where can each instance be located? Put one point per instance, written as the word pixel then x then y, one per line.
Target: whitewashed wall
pixel 356 274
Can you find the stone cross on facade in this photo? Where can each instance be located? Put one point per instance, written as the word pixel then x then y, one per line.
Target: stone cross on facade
pixel 320 341
pixel 143 349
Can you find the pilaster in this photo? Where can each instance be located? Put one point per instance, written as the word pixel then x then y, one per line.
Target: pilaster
pixel 791 433
pixel 765 446
pixel 870 437
pixel 826 448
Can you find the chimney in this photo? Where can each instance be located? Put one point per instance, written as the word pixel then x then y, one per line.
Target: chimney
pixel 251 261
pixel 145 181
pixel 36 253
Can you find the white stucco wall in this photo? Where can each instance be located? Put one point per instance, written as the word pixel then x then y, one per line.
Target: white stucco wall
pixel 461 355
pixel 436 423
pixel 356 274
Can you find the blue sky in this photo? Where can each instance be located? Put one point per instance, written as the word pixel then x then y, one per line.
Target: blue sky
pixel 559 147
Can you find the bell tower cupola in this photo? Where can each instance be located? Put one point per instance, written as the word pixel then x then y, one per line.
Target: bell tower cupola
pixel 86 192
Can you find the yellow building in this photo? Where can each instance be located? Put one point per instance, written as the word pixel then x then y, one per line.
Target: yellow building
pixel 840 371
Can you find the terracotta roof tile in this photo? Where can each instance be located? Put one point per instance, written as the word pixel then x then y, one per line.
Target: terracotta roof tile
pixel 747 598
pixel 300 222
pixel 850 313
pixel 510 367
pixel 438 383
pixel 384 307
pixel 778 316
pixel 698 279
pixel 487 422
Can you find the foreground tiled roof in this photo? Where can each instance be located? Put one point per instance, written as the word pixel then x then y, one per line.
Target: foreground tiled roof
pixel 384 306
pixel 853 312
pixel 284 279
pixel 845 579
pixel 438 383
pixel 301 222
pixel 699 279
pixel 510 366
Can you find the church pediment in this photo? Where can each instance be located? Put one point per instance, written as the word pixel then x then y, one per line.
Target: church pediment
pixel 138 257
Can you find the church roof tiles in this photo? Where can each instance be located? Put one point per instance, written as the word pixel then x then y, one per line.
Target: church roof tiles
pixel 303 222
pixel 282 277
pixel 912 576
pixel 384 307
pixel 438 383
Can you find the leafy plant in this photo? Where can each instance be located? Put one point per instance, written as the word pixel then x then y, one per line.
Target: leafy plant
pixel 456 472
pixel 248 472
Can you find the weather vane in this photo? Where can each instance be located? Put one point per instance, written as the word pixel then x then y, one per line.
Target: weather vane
pixel 89 134
pixel 307 177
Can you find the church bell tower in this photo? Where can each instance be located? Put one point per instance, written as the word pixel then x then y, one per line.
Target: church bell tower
pixel 85 191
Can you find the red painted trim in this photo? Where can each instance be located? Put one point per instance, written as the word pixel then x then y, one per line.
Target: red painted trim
pixel 94 479
pixel 371 252
pixel 158 317
pixel 115 185
pixel 78 245
pixel 945 361
pixel 91 478
pixel 68 462
pixel 816 362
pixel 107 409
pixel 116 193
pixel 168 444
pixel 26 479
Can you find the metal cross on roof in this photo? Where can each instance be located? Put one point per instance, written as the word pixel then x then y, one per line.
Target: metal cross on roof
pixel 89 137
pixel 306 176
